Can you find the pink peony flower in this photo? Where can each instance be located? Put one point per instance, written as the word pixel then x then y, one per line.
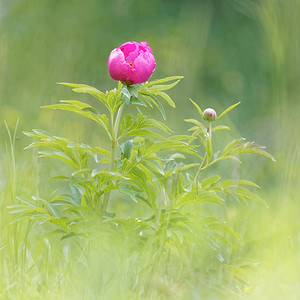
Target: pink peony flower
pixel 131 63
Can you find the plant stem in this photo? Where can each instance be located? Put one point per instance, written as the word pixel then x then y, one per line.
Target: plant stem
pixel 209 132
pixel 205 158
pixel 117 123
pixel 209 142
pixel 114 134
pixel 200 169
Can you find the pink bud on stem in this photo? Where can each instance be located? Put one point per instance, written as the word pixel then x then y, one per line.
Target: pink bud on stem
pixel 209 114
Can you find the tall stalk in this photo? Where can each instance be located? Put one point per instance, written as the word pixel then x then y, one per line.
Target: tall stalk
pixel 114 134
pixel 205 157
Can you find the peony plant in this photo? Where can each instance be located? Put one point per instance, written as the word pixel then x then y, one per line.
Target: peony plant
pixel 146 164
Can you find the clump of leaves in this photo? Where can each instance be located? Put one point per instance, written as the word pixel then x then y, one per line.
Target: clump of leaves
pixel 147 164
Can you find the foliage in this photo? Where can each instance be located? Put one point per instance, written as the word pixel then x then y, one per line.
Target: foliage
pixel 150 166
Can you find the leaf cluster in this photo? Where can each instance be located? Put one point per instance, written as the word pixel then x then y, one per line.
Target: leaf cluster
pixel 148 166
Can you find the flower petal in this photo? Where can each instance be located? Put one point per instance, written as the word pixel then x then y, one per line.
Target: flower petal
pixel 144 65
pixel 118 68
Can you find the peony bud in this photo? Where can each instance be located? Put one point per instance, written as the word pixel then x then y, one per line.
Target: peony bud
pixel 209 114
pixel 131 63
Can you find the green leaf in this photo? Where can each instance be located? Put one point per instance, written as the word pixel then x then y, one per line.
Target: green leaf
pixel 26 202
pixel 77 103
pixel 196 122
pixel 126 149
pixel 114 100
pixel 157 124
pixel 205 183
pixel 234 147
pixel 178 232
pixel 164 87
pixel 37 133
pixel 223 227
pixel 86 89
pixel 199 197
pixel 255 149
pixel 100 151
pixel 60 223
pixel 221 238
pixel 156 166
pixel 128 191
pixel 220 128
pixel 71 234
pixel 236 182
pixel 134 90
pixel 243 192
pixel 137 101
pixel 238 273
pixel 167 98
pixel 228 110
pixel 126 94
pixel 231 145
pixel 142 132
pixel 60 156
pixel 157 104
pixel 163 80
pixel 198 108
pixel 87 111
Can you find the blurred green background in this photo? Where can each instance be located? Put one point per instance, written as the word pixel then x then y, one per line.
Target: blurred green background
pixel 227 50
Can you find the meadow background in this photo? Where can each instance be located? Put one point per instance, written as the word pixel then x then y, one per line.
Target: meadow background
pixel 227 51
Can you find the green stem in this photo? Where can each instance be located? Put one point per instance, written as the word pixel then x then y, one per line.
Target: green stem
pixel 114 134
pixel 209 130
pixel 205 158
pixel 117 123
pixel 200 169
